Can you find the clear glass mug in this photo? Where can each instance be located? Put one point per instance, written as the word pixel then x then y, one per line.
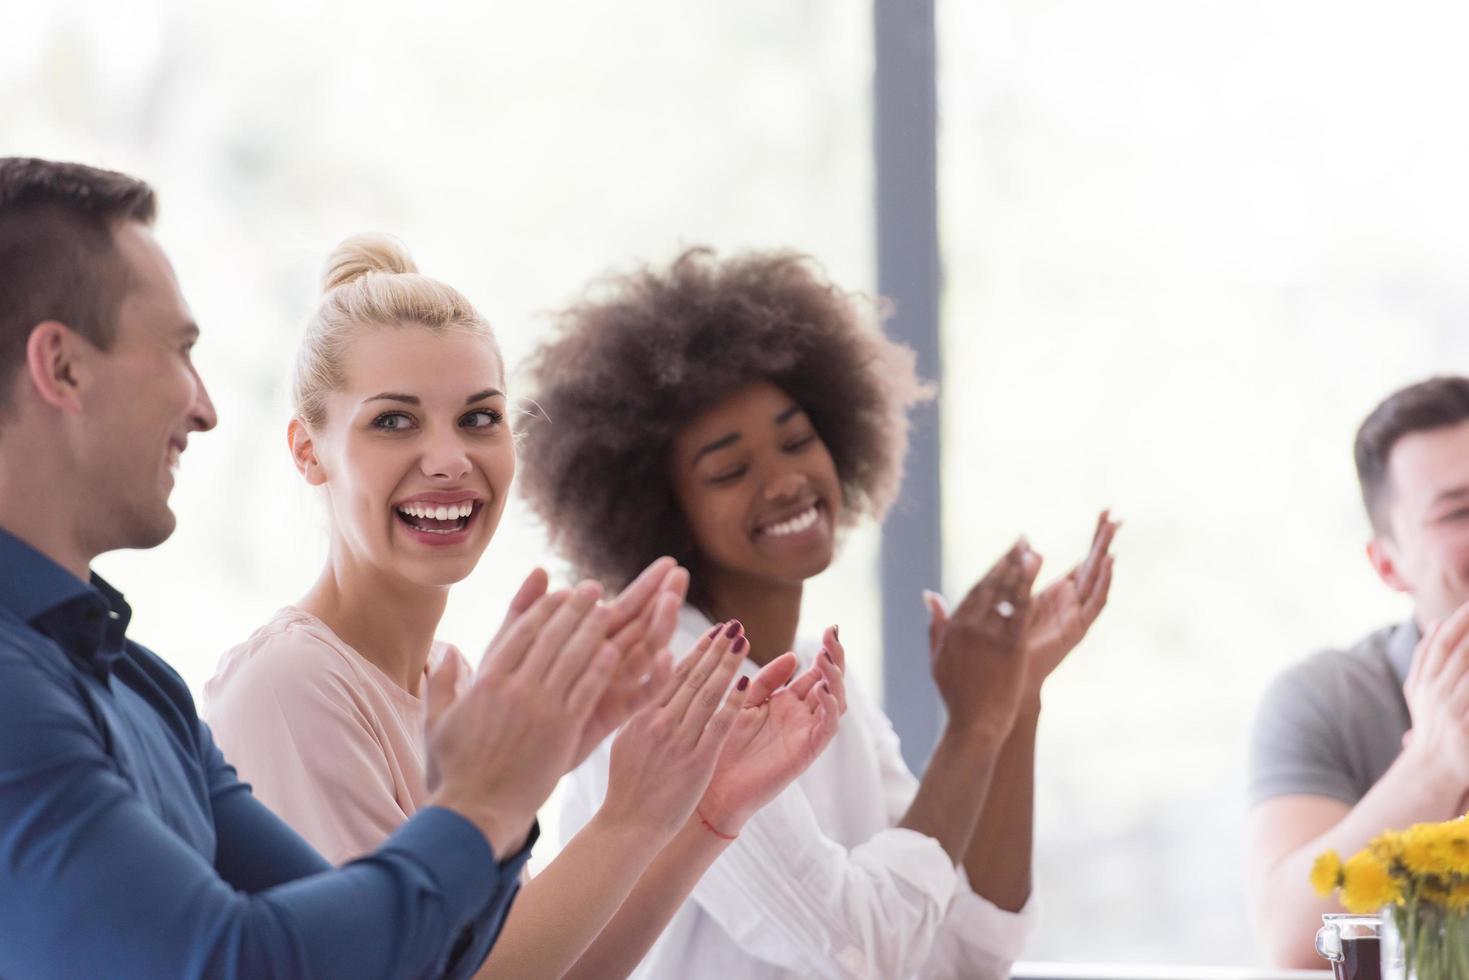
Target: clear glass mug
pixel 1353 945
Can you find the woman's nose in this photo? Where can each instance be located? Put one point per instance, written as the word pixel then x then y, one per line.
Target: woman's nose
pixel 444 458
pixel 785 485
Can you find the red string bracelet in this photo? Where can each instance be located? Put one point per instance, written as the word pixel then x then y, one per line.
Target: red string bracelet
pixel 711 828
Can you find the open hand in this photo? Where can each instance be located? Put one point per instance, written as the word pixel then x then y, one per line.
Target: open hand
pixel 640 622
pixel 978 653
pixel 496 747
pixel 664 756
pixel 777 734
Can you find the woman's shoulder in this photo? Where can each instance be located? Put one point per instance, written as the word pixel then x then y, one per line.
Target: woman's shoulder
pixel 293 649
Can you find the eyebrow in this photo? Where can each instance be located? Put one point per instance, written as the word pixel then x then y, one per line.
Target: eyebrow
pixel 395 396
pixel 1453 493
pixel 716 445
pixel 734 437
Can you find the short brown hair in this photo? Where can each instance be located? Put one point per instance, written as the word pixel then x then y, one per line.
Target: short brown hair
pixel 57 256
pixel 645 353
pixel 1432 404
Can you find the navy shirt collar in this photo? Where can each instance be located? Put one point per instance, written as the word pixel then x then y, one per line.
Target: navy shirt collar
pixel 88 620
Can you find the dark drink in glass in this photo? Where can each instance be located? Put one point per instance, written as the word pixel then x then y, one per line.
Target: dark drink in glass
pixel 1361 959
pixel 1353 944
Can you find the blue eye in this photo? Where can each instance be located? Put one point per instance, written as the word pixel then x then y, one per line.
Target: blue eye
pixel 392 421
pixel 482 418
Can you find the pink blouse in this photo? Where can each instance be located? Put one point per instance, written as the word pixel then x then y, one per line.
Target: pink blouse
pixel 328 741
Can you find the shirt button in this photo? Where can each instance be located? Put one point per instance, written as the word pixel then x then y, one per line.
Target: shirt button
pixel 851 958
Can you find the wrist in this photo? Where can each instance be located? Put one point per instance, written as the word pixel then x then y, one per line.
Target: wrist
pixel 625 832
pixel 972 738
pixel 711 828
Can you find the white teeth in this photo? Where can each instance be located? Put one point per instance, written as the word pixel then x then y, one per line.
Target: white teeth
pixel 795 525
pixel 439 513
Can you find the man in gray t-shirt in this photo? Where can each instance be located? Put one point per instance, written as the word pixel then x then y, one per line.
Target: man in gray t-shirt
pixel 1349 743
pixel 1333 724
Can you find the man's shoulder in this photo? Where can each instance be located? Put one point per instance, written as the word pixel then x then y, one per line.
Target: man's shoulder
pixel 1364 664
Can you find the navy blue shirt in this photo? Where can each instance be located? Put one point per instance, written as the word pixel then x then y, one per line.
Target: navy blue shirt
pixel 129 847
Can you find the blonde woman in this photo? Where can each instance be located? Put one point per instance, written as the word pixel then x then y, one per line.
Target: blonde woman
pixel 402 418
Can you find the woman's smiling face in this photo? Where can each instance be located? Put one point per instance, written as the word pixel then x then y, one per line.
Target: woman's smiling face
pixel 415 452
pixel 758 488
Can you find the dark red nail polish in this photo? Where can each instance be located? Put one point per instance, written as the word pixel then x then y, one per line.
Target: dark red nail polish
pixel 836 631
pixel 734 627
pixel 740 645
pixel 714 630
pixel 744 683
pixel 828 656
pixel 825 687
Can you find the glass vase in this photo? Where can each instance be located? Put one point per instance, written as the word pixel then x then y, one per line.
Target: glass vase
pixel 1422 941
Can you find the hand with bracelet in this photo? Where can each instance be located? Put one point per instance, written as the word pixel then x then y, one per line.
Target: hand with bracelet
pixel 780 731
pixel 771 729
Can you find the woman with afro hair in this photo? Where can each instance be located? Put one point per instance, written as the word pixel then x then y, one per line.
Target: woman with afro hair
pixel 736 414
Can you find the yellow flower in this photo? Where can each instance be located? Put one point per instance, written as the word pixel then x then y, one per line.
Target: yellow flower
pixel 1326 874
pixel 1422 850
pixel 1366 884
pixel 1458 900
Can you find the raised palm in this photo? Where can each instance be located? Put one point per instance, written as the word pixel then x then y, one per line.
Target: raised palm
pixel 1057 617
pixel 775 737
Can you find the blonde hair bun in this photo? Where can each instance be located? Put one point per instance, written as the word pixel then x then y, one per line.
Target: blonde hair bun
pixel 361 254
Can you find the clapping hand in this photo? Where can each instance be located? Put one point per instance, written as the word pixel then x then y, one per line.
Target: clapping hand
pixel 978 653
pixel 640 621
pixel 663 758
pixel 777 734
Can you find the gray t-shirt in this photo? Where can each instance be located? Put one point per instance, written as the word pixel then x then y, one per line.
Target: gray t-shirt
pixel 1332 724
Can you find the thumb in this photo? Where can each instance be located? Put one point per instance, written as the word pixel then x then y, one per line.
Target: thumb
pixel 771 678
pixel 938 619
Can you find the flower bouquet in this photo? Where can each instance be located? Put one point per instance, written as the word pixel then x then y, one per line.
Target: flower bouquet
pixel 1419 878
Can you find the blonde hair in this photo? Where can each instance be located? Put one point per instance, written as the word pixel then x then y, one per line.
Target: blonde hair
pixel 370 281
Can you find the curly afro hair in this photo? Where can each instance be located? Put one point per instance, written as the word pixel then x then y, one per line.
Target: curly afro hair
pixel 642 354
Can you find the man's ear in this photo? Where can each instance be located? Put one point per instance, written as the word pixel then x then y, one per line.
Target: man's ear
pixel 57 365
pixel 303 451
pixel 1382 553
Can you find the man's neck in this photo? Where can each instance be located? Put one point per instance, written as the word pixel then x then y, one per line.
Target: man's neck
pixel 31 510
pixel 770 611
pixel 387 620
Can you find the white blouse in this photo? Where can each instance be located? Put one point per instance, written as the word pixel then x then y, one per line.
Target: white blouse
pixel 821 882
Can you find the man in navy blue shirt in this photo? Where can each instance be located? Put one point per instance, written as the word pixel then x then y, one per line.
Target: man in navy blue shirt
pixel 128 847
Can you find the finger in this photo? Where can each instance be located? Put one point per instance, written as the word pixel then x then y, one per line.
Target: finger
pixel 714 734
pixel 1450 635
pixel 802 685
pixel 532 589
pixel 590 684
pixel 689 662
pixel 508 650
pixel 1092 605
pixel 709 665
pixel 710 695
pixel 831 646
pixel 631 601
pixel 1019 598
pixel 1420 654
pixel 1091 568
pixel 823 700
pixel 561 661
pixel 771 678
pixel 938 618
pixel 831 675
